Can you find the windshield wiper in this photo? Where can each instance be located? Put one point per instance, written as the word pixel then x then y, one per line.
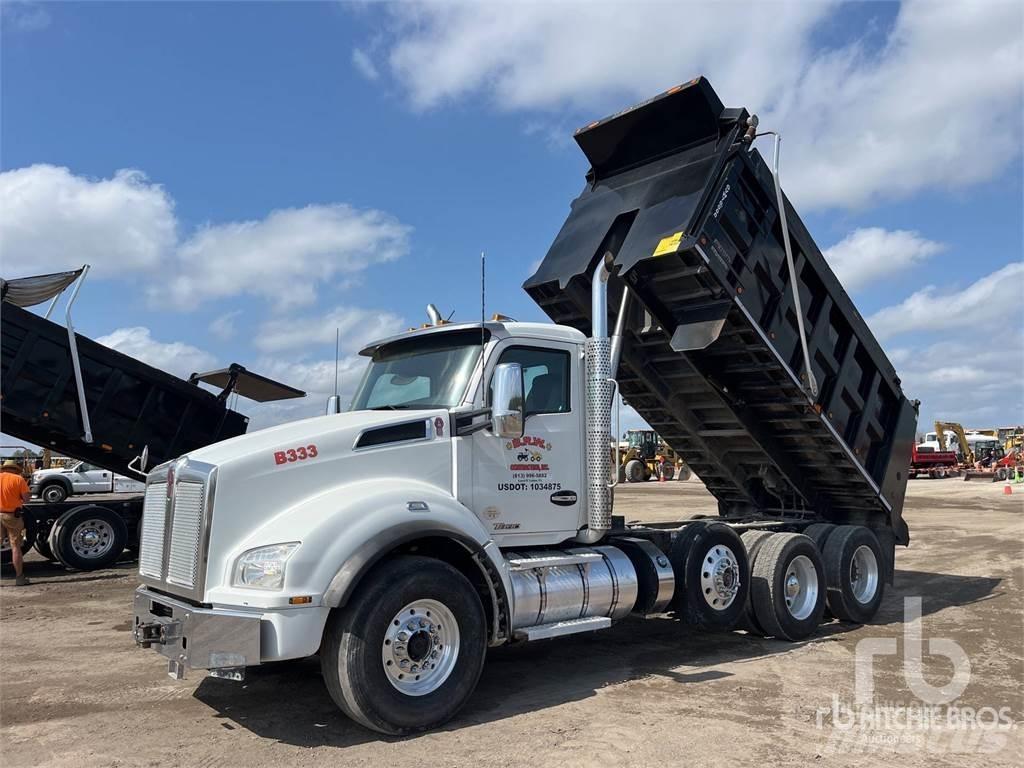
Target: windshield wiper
pixel 390 408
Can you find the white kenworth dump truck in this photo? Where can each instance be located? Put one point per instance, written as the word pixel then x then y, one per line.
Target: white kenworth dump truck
pixel 465 500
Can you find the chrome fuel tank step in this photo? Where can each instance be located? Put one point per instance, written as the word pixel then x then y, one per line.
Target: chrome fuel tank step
pixel 552 586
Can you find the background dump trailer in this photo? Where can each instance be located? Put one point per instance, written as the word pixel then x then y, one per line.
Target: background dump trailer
pixel 711 349
pixel 64 391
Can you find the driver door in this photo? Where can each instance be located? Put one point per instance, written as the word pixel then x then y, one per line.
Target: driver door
pixel 529 489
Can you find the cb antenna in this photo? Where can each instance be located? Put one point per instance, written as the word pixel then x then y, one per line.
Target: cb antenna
pixel 483 314
pixel 337 347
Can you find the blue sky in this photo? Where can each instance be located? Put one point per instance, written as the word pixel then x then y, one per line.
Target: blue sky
pixel 247 176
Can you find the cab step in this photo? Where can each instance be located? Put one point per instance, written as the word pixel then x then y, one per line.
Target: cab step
pixel 559 628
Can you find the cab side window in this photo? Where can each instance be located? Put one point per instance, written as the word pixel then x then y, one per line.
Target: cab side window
pixel 546 382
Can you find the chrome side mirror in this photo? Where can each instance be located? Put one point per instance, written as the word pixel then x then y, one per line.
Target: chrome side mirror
pixel 507 404
pixel 333 405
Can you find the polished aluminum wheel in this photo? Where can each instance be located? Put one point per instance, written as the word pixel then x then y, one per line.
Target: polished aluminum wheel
pixel 421 647
pixel 863 574
pixel 801 587
pixel 92 538
pixel 720 577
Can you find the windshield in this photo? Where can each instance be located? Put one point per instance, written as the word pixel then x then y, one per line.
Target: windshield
pixel 426 372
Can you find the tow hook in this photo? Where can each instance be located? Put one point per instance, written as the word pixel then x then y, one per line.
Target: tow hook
pixel 156 632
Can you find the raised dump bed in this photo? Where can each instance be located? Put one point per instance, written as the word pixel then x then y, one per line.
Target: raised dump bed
pixel 130 405
pixel 711 354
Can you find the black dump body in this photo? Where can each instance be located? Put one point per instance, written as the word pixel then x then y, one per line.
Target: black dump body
pixel 130 404
pixel 689 213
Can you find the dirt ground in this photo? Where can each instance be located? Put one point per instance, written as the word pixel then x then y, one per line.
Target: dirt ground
pixel 649 692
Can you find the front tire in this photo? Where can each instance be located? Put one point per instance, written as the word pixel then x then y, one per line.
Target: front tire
pixel 636 472
pixel 406 653
pixel 54 493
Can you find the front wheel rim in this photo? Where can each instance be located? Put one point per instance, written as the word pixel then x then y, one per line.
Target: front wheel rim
pixel 52 494
pixel 420 647
pixel 863 574
pixel 92 539
pixel 801 587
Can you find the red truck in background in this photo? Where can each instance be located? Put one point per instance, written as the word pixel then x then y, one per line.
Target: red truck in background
pixel 926 461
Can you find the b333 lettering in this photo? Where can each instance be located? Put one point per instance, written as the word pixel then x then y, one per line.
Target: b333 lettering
pixel 290 455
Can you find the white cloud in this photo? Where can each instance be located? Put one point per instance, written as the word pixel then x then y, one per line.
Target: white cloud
pixel 364 64
pixel 174 357
pixel 938 106
pixel 986 307
pixel 316 378
pixel 937 103
pixel 974 382
pixel 25 16
pixel 283 257
pixel 223 326
pixel 544 55
pixel 51 220
pixel 868 254
pixel 357 327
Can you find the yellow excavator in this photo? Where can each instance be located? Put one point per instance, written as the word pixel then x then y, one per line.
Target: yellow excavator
pixel 941 427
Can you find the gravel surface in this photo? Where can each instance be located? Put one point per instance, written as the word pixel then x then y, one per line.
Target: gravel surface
pixel 74 690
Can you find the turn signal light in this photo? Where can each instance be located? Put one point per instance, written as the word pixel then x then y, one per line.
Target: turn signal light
pixel 303 600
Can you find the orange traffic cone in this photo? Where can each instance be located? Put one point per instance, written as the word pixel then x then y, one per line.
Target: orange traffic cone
pixel 1007 489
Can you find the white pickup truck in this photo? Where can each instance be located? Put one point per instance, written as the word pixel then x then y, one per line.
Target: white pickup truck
pixel 55 485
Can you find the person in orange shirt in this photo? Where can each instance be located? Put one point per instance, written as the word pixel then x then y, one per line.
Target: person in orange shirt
pixel 14 493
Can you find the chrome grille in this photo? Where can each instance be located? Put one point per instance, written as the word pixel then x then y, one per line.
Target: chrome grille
pixel 175 527
pixel 186 534
pixel 151 538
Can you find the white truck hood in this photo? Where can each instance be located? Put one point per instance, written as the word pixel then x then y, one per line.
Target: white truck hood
pixel 332 428
pixel 286 483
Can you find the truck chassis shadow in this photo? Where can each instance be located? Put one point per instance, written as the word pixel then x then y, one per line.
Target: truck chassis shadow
pixel 288 702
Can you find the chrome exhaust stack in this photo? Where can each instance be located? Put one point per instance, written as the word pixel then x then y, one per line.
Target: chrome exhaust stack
pixel 435 315
pixel 599 392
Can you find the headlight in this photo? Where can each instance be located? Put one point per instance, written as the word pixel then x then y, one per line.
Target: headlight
pixel 263 568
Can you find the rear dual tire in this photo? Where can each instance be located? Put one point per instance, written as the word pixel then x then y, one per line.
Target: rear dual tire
pixel 787 588
pixel 851 578
pixel 87 538
pixel 712 575
pixel 854 573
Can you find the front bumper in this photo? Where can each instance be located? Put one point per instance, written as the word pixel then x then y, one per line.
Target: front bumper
pixel 222 641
